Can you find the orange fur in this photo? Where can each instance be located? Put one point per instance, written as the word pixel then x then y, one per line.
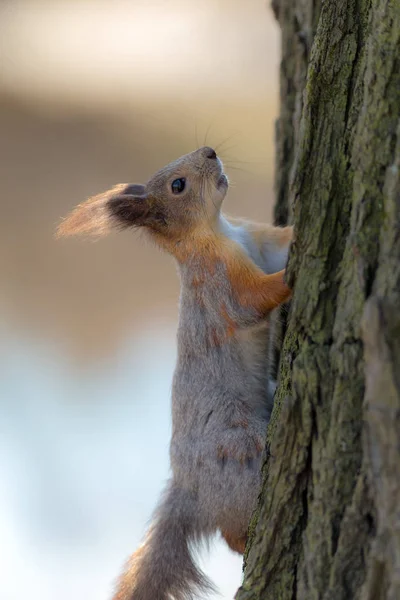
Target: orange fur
pixel 90 217
pixel 250 285
pixel 127 580
pixel 236 544
pixel 231 325
pixel 243 422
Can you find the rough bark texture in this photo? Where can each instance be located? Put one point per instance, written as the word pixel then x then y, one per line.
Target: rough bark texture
pixel 328 525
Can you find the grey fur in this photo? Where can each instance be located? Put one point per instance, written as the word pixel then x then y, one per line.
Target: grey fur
pixel 215 388
pixel 222 393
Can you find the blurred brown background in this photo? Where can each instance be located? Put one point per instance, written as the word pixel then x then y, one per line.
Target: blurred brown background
pixel 93 93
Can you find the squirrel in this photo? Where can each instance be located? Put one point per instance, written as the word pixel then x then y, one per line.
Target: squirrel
pixel 232 277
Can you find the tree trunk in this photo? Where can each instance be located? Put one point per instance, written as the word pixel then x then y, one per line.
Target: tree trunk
pixel 328 525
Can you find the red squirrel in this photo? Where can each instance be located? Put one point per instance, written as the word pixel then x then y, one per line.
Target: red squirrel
pixel 232 277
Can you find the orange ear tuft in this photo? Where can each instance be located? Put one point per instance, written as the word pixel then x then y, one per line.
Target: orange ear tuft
pixel 92 217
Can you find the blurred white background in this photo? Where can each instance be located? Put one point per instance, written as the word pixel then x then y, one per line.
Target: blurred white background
pixel 92 93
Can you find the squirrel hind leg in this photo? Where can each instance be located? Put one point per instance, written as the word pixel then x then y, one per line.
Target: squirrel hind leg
pixel 237 544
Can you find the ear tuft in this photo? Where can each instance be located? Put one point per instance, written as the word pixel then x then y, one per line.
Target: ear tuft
pixel 93 217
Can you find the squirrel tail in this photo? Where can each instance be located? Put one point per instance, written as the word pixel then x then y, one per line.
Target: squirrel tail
pixel 163 566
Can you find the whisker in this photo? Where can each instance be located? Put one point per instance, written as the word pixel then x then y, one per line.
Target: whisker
pixel 207 132
pixel 222 154
pixel 244 162
pixel 219 147
pixel 238 169
pixel 233 159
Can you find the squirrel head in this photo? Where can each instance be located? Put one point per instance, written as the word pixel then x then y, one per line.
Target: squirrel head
pixel 183 196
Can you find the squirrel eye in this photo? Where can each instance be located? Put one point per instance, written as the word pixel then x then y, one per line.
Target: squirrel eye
pixel 178 185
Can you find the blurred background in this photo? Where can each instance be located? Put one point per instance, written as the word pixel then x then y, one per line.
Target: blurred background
pixel 92 93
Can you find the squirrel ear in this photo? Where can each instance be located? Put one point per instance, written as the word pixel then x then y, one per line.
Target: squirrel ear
pixel 129 209
pixel 97 216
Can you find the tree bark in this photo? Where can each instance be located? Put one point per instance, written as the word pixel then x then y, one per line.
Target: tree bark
pixel 328 524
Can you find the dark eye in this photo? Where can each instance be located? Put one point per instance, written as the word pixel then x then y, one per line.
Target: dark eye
pixel 178 185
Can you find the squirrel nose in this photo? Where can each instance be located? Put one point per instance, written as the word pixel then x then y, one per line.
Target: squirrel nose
pixel 210 153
